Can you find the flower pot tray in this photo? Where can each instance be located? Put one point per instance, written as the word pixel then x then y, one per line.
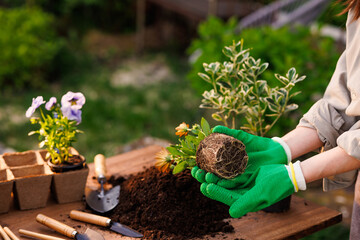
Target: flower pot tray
pixel 303 218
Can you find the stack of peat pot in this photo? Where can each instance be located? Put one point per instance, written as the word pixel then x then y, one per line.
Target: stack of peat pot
pixel 26 179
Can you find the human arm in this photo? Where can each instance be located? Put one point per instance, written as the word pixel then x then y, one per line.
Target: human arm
pixel 332 162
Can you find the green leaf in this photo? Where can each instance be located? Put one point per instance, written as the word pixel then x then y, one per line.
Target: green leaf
pixel 188 151
pixel 205 77
pixel 201 136
pixel 291 74
pixel 191 162
pixel 216 117
pixel 262 68
pixel 205 127
pixel 228 52
pixel 291 107
pixel 174 151
pixel 224 84
pixel 180 167
pixel 32 133
pixel 41 144
pixel 299 79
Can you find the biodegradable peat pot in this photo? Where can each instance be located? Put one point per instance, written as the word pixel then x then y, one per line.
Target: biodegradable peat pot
pixel 69 181
pixel 6 186
pixel 32 179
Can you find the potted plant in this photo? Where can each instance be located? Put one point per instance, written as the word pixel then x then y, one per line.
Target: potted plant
pixel 237 90
pixel 58 130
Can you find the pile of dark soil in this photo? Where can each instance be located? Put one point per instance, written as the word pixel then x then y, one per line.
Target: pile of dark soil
pixel 166 206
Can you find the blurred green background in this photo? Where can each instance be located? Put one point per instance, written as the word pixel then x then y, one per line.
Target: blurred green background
pixel 51 47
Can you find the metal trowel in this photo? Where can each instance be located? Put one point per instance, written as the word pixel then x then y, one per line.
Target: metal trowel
pixel 100 200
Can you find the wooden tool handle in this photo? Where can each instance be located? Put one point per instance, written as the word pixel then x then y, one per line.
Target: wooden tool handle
pixel 10 234
pixel 90 218
pixel 3 234
pixel 57 226
pixel 38 235
pixel 100 166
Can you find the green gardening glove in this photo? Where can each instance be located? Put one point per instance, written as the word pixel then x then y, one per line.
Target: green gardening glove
pixel 261 151
pixel 259 189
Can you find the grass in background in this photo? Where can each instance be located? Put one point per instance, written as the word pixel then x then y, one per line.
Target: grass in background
pixel 112 115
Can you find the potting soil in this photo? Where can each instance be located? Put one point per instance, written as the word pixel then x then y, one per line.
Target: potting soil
pixel 166 206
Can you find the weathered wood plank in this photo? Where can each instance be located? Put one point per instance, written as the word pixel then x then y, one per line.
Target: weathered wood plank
pixel 302 219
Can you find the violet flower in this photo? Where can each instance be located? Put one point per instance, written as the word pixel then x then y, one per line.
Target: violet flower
pixel 72 113
pixel 36 102
pixel 73 99
pixel 50 104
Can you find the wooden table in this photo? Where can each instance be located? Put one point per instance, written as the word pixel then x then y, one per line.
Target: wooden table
pixel 304 217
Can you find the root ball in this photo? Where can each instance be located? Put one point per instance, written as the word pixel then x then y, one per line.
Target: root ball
pixel 222 155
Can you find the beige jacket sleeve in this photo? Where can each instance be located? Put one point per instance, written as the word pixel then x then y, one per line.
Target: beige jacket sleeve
pixel 336 116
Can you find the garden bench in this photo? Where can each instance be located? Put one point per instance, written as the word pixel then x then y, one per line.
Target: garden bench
pixel 303 218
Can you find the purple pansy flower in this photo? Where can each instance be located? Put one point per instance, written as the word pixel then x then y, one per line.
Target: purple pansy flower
pixel 50 104
pixel 36 102
pixel 73 99
pixel 72 113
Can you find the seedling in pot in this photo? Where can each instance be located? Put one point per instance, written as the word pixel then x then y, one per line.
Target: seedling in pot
pixel 237 90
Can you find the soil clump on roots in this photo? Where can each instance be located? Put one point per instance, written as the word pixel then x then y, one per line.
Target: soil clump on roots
pixel 166 206
pixel 222 155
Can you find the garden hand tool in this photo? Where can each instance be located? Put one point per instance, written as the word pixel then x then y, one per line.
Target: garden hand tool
pixel 3 234
pixel 105 222
pixel 257 190
pixel 10 234
pixel 38 235
pixel 102 201
pixel 67 230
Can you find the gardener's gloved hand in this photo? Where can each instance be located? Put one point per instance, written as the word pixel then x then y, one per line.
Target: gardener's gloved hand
pixel 261 151
pixel 257 190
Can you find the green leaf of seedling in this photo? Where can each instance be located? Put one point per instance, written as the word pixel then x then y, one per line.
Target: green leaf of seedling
pixel 205 77
pixel 262 86
pixel 191 163
pixel 41 144
pixel 294 94
pixel 291 74
pixel 32 133
pixel 205 127
pixel 291 107
pixel 174 151
pixel 228 52
pixel 216 117
pixel 299 79
pixel 188 151
pixel 201 136
pixel 224 84
pixel 282 79
pixel 180 167
pixel 262 68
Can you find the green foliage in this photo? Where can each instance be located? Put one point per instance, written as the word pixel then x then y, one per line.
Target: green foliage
pixel 331 15
pixel 28 44
pixel 183 154
pixel 81 15
pixel 237 89
pixel 283 48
